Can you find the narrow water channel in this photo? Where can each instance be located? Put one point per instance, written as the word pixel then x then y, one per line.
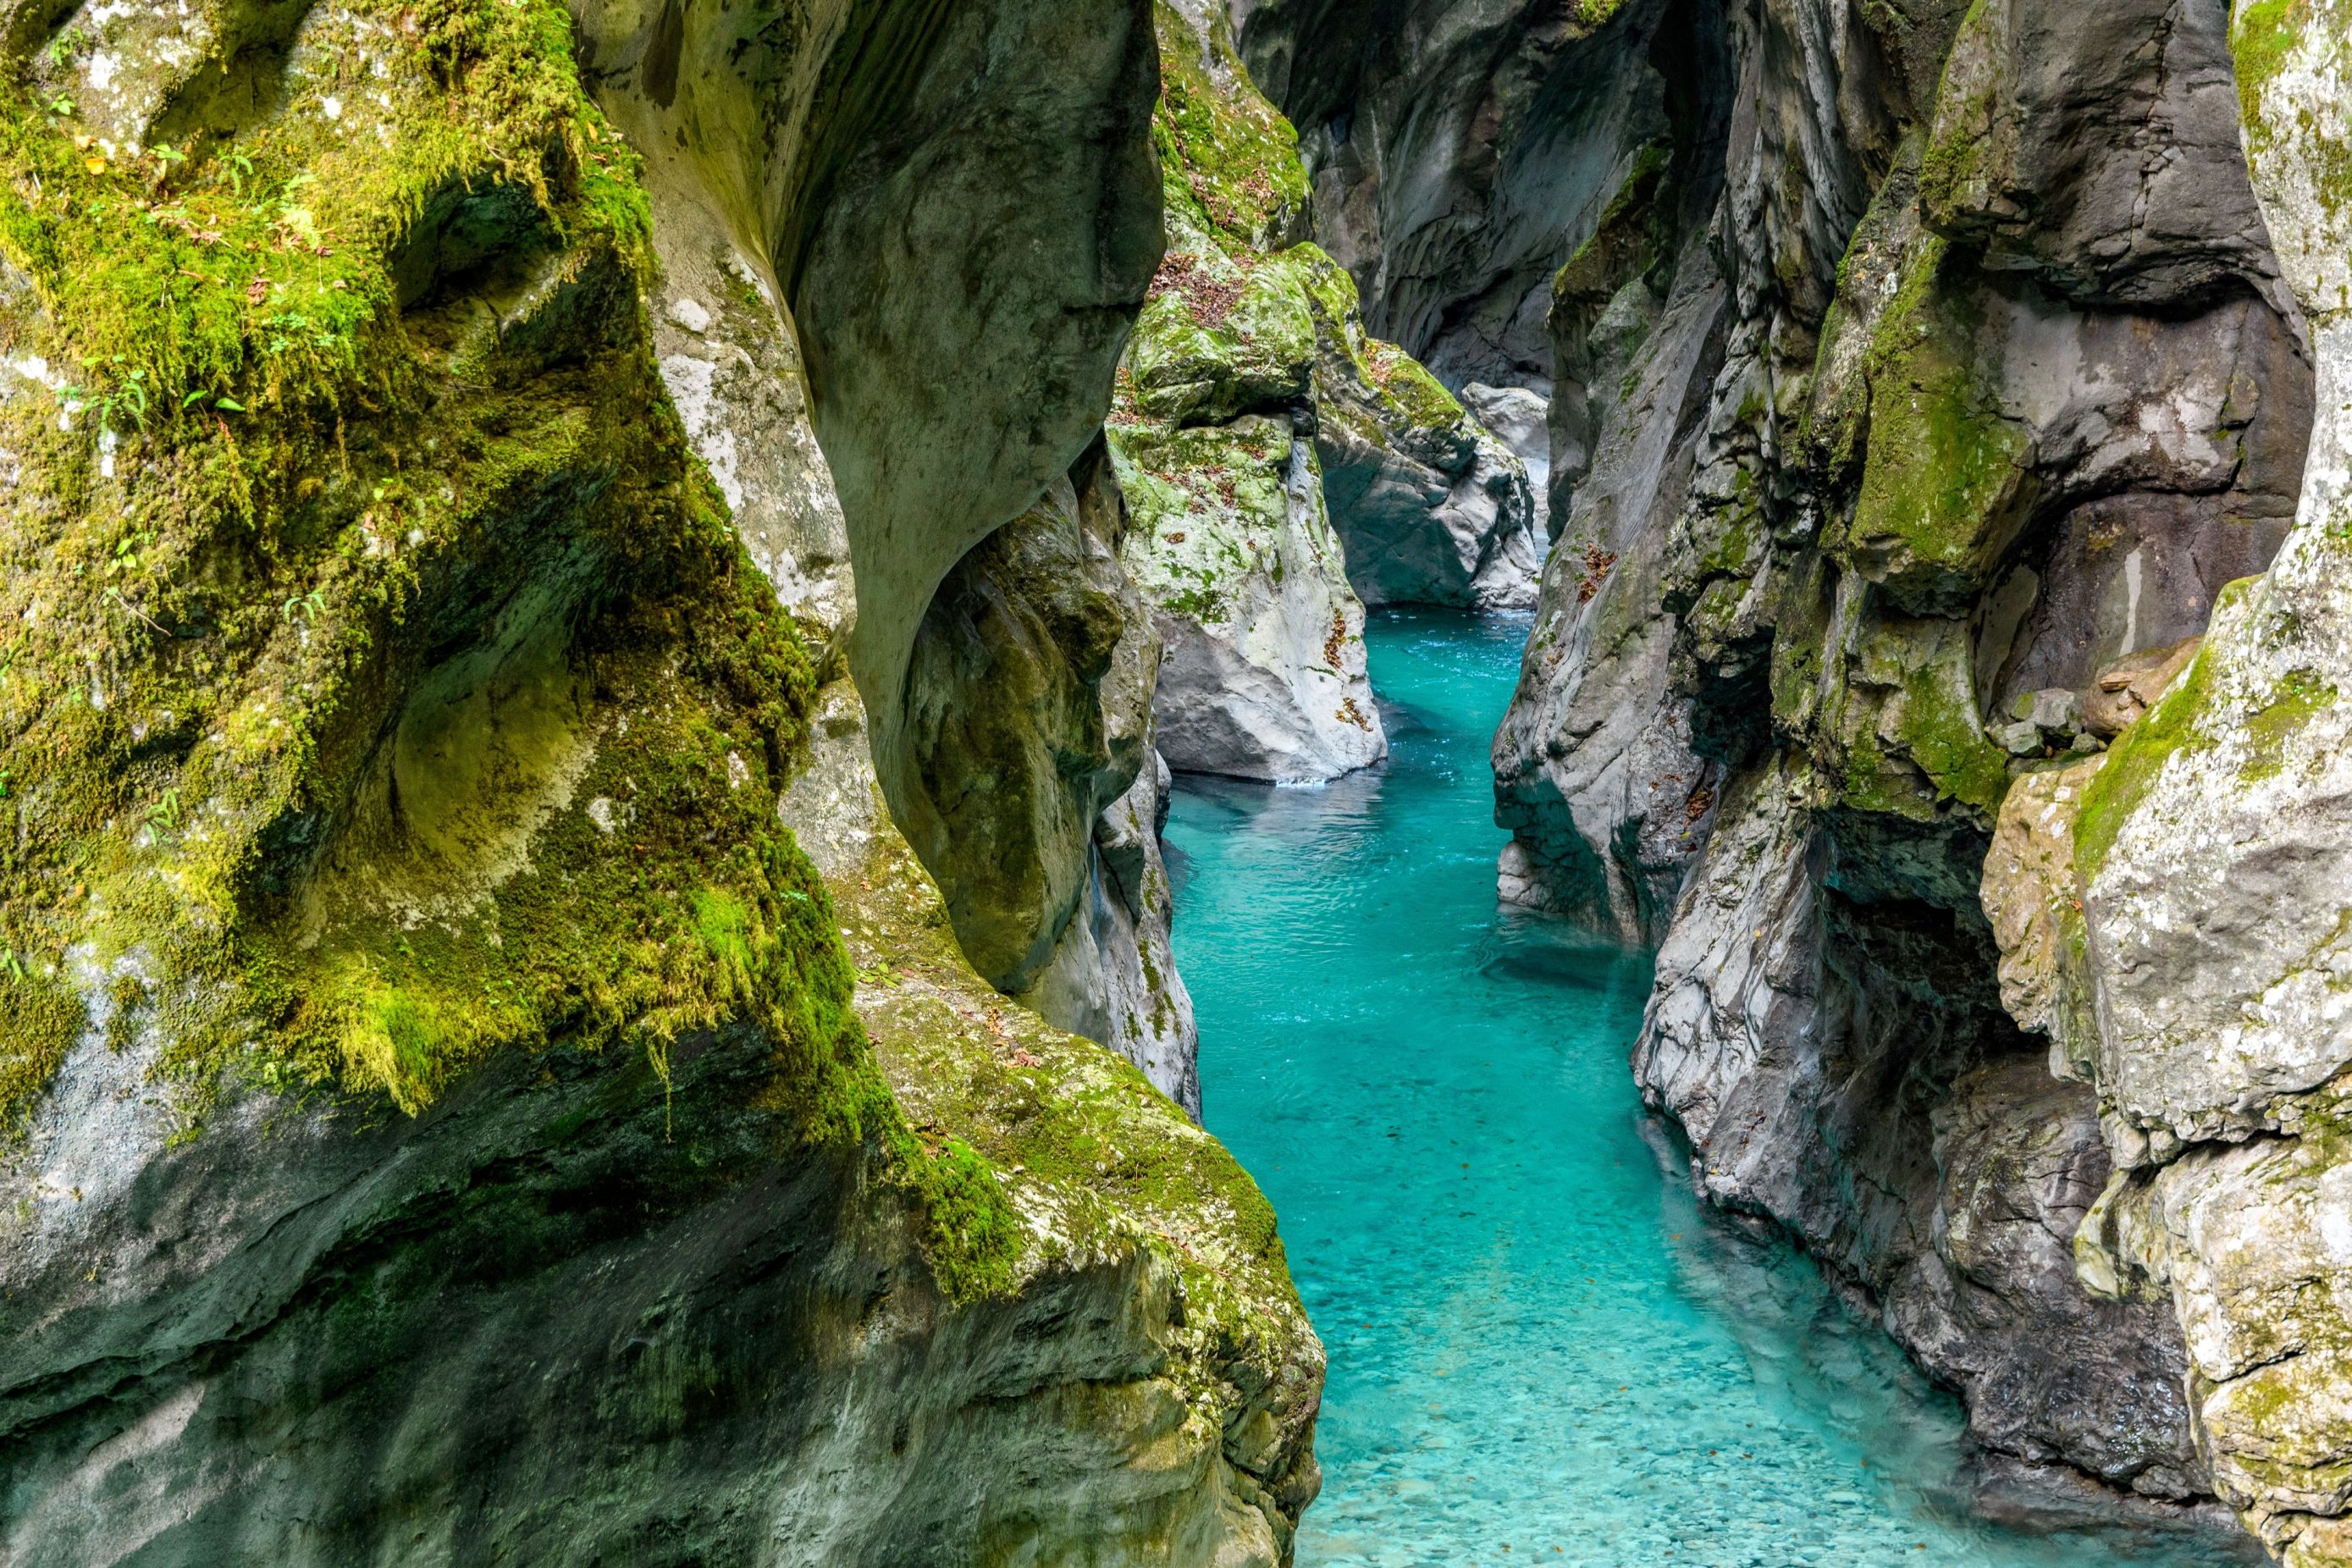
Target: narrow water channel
pixel 1541 1350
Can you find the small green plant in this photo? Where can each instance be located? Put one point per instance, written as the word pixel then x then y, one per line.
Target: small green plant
pixel 304 607
pixel 11 965
pixel 126 398
pixel 163 817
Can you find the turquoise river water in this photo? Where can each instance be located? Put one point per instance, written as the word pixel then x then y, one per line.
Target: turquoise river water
pixel 1541 1350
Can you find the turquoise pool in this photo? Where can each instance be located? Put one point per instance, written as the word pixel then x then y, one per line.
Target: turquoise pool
pixel 1541 1350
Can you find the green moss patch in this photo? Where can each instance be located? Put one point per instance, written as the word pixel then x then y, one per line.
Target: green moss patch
pixel 1033 1147
pixel 1229 159
pixel 389 677
pixel 1946 484
pixel 2139 753
pixel 1909 704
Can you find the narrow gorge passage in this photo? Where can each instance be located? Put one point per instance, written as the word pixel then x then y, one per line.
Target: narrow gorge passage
pixel 1536 1341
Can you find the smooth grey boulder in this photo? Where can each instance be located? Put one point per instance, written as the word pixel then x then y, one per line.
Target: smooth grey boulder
pixel 1521 419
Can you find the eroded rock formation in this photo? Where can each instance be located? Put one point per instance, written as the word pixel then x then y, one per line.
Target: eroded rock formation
pixel 2180 934
pixel 1928 390
pixel 1458 152
pixel 450 1111
pixel 1286 467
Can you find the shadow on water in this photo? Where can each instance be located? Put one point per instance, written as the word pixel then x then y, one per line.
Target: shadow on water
pixel 1541 1348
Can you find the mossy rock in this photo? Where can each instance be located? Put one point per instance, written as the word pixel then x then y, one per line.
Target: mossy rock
pixel 1948 480
pixel 1211 507
pixel 1220 336
pixel 392 692
pixel 1229 158
pixel 1907 723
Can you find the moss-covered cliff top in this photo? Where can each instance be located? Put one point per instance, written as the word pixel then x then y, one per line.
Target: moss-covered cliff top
pixel 1241 317
pixel 350 546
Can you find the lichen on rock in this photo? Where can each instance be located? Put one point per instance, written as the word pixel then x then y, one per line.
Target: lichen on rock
pixel 2206 866
pixel 1889 448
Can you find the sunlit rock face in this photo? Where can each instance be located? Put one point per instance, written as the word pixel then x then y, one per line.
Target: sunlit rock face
pixel 448 1109
pixel 1922 384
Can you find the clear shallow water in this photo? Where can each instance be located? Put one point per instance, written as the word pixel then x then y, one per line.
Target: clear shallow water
pixel 1541 1351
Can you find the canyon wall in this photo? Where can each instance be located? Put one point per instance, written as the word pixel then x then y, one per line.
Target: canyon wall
pixel 1287 469
pixel 1936 378
pixel 451 1111
pixel 2172 911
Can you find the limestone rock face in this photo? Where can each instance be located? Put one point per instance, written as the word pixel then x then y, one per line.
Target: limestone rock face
pixel 1432 507
pixel 733 368
pixel 1264 676
pixel 1521 420
pixel 1896 431
pixel 1214 434
pixel 1595 772
pixel 2097 147
pixel 1287 468
pixel 903 336
pixel 2207 865
pixel 1035 789
pixel 1008 625
pixel 447 1109
pixel 1459 152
